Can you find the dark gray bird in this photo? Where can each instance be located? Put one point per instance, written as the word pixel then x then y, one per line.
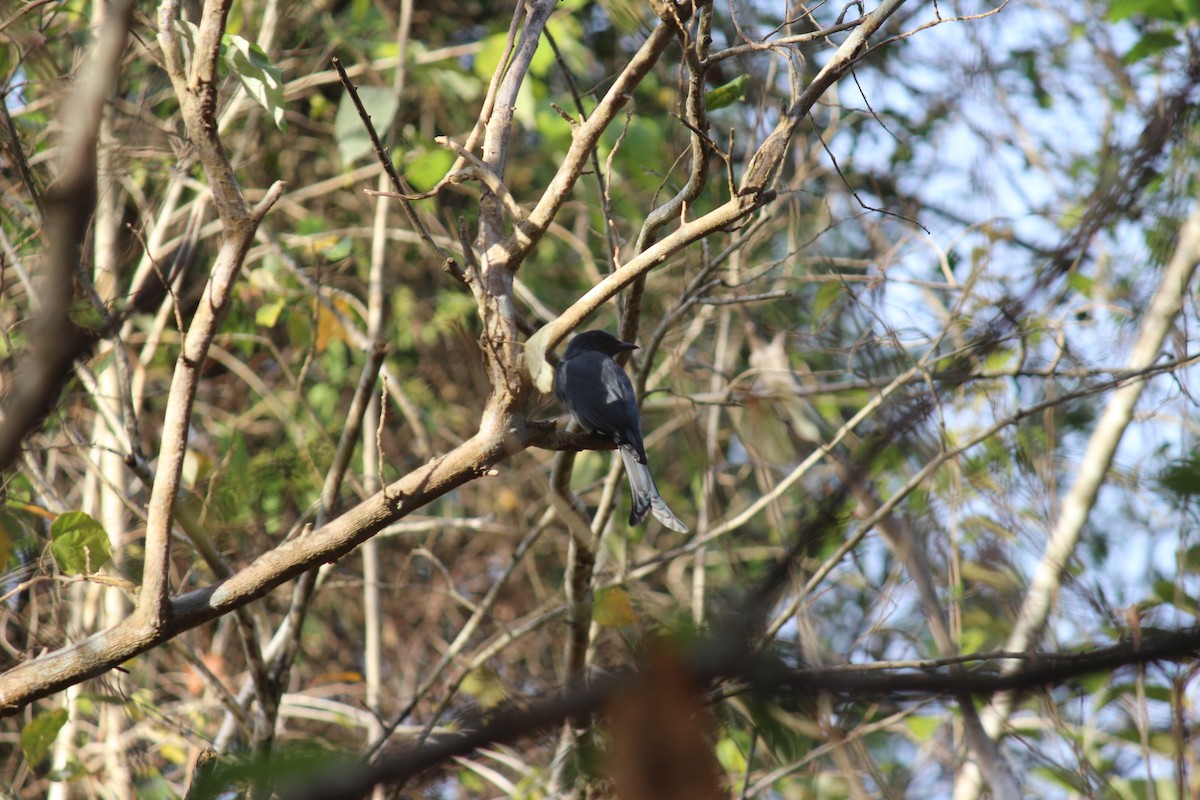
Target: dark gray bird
pixel 597 392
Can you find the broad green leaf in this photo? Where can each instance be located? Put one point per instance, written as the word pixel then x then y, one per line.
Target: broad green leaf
pixel 1173 594
pixel 353 142
pixel 13 342
pixel 38 736
pixel 288 763
pixel 1093 684
pixel 568 33
pixel 728 93
pixel 487 58
pixel 247 62
pixel 543 60
pixel 259 77
pixel 1166 10
pixel 78 543
pixel 424 171
pixel 13 529
pixel 1152 43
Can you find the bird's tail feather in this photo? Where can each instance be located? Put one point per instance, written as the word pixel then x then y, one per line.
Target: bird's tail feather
pixel 644 494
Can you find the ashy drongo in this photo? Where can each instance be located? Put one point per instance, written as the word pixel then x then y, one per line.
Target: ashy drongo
pixel 597 392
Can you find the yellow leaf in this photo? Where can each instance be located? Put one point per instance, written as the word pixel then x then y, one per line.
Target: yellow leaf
pixel 267 315
pixel 172 753
pixel 328 329
pixel 614 608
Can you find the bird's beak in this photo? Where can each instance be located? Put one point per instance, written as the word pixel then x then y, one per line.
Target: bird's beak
pixel 628 346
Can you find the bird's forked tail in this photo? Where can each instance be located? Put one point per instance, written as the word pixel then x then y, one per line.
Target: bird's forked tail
pixel 645 496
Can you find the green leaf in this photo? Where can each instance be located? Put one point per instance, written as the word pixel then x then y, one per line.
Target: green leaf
pixel 78 543
pixel 1081 283
pixel 728 93
pixel 1093 684
pixel 471 783
pixel 424 171
pixel 1166 10
pixel 248 63
pixel 1172 594
pixel 259 77
pixel 86 316
pixel 12 343
pixel 998 359
pixel 923 728
pixel 288 762
pixel 1182 477
pixel 38 736
pixel 342 248
pixel 1152 43
pixel 353 142
pixel 731 757
pixel 13 530
pixel 825 298
pixel 267 315
pixel 487 58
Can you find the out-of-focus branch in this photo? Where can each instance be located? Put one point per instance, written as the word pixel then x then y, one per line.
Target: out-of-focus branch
pixel 55 342
pixel 714 661
pixel 902 541
pixel 1093 467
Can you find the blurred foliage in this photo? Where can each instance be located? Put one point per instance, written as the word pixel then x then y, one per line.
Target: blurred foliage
pixel 1001 136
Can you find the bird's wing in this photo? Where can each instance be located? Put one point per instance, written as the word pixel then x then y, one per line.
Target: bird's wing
pixel 599 395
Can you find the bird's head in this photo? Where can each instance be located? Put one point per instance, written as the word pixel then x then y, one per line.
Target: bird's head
pixel 598 341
